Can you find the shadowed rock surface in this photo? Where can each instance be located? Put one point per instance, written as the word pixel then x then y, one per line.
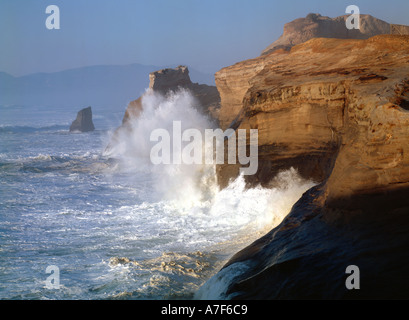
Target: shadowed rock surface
pixel 83 122
pixel 306 256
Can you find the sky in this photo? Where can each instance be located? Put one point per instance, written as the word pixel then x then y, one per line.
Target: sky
pixel 203 34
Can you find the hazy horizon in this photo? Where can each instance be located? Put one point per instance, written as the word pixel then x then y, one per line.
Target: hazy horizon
pixel 103 65
pixel 206 36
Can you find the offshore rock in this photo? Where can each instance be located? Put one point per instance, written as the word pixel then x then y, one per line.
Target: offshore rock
pixel 163 82
pixel 83 122
pixel 166 80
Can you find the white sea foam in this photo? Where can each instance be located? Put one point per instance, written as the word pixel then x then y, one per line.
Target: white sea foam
pixel 172 182
pixel 78 209
pixel 191 204
pixel 187 196
pixel 252 212
pixel 41 157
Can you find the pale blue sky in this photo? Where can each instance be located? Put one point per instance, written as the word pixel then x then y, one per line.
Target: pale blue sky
pixel 204 34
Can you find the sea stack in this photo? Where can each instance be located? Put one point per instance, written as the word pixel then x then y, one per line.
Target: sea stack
pixel 163 82
pixel 83 122
pixel 172 79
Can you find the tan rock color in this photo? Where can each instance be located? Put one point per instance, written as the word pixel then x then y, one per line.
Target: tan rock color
pixel 337 110
pixel 316 26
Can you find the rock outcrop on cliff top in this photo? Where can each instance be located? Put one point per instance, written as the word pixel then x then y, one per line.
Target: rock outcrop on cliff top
pixel 337 110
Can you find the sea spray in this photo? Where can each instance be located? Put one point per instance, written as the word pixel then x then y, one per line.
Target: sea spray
pixel 169 227
pixel 176 182
pixel 185 200
pixel 191 184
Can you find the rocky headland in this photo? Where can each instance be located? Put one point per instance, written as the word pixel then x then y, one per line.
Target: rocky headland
pixel 337 110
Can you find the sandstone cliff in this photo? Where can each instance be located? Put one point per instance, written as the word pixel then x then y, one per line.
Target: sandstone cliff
pixel 233 81
pixel 325 106
pixel 338 111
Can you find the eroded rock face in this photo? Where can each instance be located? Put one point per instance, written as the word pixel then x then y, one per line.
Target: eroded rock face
pixel 169 79
pixel 327 107
pixel 316 26
pixel 338 111
pixel 233 81
pixel 162 82
pixel 83 122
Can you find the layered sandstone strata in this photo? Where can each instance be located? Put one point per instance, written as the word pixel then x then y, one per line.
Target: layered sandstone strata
pixel 333 109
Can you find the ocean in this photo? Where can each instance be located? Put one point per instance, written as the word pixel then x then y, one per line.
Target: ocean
pixel 113 224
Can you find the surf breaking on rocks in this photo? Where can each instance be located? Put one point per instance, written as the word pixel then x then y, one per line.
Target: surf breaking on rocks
pixel 204 216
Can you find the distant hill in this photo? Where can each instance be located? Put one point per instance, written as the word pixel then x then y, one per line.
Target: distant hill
pixel 104 86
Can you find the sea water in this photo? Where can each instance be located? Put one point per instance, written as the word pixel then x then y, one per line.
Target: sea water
pixel 115 225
